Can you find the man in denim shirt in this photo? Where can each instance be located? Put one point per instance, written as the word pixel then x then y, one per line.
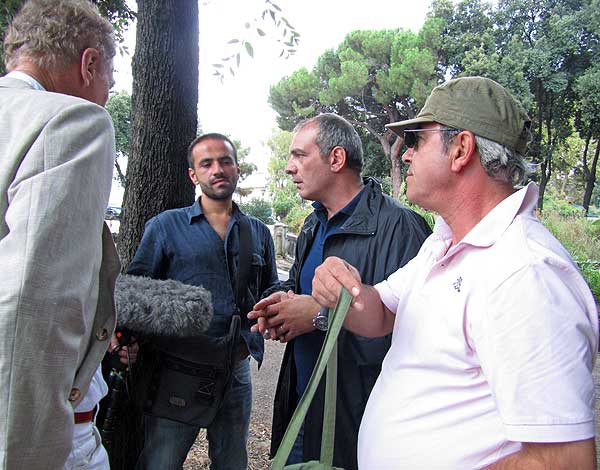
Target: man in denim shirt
pixel 199 245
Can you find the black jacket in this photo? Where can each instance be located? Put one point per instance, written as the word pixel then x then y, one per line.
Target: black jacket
pixel 378 238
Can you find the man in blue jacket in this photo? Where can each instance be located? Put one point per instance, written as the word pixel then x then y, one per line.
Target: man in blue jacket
pixel 356 222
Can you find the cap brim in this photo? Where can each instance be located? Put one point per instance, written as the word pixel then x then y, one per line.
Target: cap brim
pixel 398 127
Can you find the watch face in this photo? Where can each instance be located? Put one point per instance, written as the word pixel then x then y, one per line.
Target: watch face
pixel 321 322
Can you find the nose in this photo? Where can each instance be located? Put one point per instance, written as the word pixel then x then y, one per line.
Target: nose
pixel 217 168
pixel 289 169
pixel 407 156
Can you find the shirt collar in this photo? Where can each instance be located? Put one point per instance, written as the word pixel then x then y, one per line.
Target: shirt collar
pixel 195 211
pixel 347 210
pixel 494 224
pixel 27 79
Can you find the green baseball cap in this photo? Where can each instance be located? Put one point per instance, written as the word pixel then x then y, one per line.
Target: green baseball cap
pixel 476 104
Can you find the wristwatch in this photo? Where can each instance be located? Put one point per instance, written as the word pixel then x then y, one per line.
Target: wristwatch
pixel 321 321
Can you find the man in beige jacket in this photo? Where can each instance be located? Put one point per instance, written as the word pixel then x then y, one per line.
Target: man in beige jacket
pixel 57 266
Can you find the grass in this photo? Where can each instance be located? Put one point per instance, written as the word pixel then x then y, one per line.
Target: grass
pixel 581 238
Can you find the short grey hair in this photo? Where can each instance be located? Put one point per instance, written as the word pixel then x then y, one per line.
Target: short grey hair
pixel 499 162
pixel 53 33
pixel 333 131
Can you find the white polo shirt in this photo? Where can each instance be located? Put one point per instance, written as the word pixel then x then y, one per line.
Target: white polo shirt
pixel 493 344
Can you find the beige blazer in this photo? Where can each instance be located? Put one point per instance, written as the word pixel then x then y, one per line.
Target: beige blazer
pixel 57 272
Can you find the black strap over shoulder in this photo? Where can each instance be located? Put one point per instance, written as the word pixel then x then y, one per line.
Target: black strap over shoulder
pixel 244 262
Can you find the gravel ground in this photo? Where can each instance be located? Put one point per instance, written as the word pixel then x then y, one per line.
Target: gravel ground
pixel 259 439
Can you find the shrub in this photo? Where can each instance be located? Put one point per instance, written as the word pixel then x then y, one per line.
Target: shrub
pixel 296 216
pixel 258 208
pixel 581 238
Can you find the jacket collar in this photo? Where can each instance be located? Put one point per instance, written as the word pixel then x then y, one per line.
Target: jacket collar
pixel 11 82
pixel 363 220
pixel 32 82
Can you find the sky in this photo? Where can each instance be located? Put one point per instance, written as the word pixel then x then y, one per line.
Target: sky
pixel 239 106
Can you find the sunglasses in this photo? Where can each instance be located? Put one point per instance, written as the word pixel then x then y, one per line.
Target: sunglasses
pixel 410 135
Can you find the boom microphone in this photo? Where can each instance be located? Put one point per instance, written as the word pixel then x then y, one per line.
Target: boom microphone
pixel 162 307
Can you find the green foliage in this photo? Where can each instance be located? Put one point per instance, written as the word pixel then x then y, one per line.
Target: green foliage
pixel 560 206
pixel 254 31
pixel 284 203
pixel 119 108
pixel 581 238
pixel 296 216
pixel 282 189
pixel 246 168
pixel 303 87
pixel 258 208
pixel 7 11
pixel 427 215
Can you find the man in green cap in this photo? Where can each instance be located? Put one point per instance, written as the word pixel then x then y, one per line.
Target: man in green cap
pixel 494 329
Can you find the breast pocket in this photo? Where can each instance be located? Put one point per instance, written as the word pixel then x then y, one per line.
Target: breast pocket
pixel 255 277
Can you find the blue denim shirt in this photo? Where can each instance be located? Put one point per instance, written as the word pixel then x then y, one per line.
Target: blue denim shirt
pixel 180 244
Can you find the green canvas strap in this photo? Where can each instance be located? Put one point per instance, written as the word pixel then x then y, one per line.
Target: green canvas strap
pixel 326 360
pixel 329 408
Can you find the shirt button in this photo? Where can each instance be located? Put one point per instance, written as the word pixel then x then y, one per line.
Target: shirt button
pixel 75 394
pixel 102 334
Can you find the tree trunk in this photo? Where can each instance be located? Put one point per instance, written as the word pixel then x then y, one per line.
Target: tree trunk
pixel 396 168
pixel 591 180
pixel 164 115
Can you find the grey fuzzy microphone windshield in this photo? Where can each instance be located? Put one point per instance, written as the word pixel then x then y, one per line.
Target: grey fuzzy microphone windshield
pixel 162 307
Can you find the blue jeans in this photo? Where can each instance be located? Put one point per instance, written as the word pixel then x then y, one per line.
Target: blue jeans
pixel 167 442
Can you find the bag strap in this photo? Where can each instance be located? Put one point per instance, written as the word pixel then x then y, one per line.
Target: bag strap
pixel 328 435
pixel 244 258
pixel 327 359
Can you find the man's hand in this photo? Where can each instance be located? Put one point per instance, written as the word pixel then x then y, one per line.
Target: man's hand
pixel 285 316
pixel 127 354
pixel 576 455
pixel 263 310
pixel 333 274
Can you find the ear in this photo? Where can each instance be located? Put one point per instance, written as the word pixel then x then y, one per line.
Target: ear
pixel 90 65
pixel 462 150
pixel 337 158
pixel 192 175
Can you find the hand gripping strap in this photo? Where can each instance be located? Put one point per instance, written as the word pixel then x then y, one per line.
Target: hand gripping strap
pixel 327 359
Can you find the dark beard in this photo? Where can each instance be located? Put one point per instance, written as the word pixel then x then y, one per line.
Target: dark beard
pixel 219 195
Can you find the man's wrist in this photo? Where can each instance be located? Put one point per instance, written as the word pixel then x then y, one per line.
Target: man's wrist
pixel 321 319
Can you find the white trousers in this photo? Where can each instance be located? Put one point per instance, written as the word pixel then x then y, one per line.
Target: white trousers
pixel 88 452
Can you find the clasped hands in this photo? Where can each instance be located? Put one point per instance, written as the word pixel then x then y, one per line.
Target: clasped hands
pixel 285 315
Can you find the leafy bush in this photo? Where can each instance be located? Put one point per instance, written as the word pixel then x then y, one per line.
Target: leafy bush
pixel 258 208
pixel 581 238
pixel 283 203
pixel 296 216
pixel 427 215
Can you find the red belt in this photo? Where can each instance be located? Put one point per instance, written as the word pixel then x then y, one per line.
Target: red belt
pixel 85 416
